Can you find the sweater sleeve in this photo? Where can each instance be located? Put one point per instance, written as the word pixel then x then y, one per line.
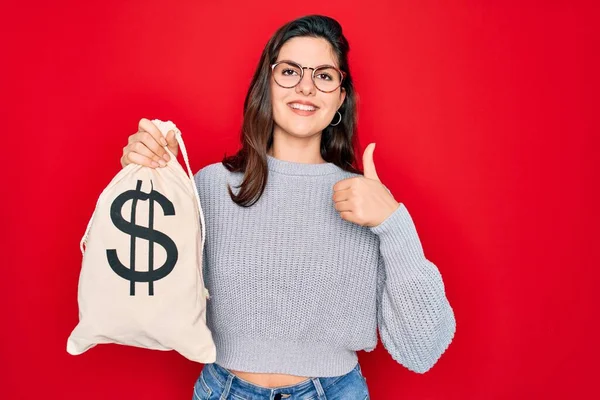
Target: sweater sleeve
pixel 415 320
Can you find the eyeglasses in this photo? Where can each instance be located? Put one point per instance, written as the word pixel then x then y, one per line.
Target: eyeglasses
pixel 288 74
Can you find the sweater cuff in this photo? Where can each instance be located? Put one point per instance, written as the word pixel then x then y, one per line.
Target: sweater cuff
pixel 396 223
pixel 401 247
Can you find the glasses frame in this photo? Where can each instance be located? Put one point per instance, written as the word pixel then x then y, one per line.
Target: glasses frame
pixel 312 75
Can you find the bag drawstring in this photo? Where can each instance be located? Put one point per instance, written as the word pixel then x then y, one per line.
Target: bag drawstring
pixel 191 175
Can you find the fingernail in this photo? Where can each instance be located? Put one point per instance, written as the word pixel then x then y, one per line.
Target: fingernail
pixel 154 164
pixel 166 157
pixel 163 141
pixel 162 163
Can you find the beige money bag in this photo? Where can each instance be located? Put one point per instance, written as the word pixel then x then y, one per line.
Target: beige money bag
pixel 141 280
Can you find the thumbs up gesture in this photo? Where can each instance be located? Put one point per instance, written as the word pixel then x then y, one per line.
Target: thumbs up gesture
pixel 364 200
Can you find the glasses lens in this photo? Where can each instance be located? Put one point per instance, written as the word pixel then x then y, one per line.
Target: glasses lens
pixel 327 79
pixel 287 75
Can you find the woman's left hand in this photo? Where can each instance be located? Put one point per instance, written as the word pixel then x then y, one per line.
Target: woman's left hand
pixel 364 200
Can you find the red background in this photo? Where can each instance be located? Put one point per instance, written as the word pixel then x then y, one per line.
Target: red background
pixel 482 114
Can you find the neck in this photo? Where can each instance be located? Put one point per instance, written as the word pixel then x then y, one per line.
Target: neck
pixel 286 147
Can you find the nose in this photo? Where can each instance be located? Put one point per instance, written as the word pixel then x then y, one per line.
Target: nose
pixel 306 85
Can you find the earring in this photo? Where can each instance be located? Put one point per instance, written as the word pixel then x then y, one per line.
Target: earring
pixel 336 124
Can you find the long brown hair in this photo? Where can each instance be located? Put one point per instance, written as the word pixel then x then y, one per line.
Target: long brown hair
pixel 337 142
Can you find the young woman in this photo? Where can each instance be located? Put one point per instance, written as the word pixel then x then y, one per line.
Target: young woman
pixel 305 256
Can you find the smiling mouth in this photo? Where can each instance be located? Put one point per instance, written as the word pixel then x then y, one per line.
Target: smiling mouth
pixel 302 107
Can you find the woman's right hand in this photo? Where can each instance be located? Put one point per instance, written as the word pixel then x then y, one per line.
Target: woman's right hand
pixel 146 146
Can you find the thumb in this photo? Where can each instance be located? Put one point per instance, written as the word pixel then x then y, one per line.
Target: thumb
pixel 172 143
pixel 368 164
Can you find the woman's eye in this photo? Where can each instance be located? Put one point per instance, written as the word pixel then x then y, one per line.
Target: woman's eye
pixel 324 76
pixel 288 72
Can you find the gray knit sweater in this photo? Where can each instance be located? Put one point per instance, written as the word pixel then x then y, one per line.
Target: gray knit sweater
pixel 295 289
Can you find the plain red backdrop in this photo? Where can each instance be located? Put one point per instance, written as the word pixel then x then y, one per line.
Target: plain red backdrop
pixel 485 128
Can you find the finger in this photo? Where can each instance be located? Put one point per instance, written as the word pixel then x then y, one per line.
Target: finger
pixel 148 126
pixel 172 143
pixel 140 148
pixel 368 164
pixel 148 140
pixel 135 143
pixel 343 184
pixel 139 159
pixel 347 216
pixel 341 195
pixel 344 205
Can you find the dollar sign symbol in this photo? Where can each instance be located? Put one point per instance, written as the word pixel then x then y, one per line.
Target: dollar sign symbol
pixel 137 231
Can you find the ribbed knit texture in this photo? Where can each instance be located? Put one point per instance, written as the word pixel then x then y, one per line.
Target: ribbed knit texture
pixel 295 289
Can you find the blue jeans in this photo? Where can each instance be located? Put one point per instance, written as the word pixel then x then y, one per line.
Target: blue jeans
pixel 216 382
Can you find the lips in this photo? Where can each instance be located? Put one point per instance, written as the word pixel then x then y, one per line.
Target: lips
pixel 302 105
pixel 304 108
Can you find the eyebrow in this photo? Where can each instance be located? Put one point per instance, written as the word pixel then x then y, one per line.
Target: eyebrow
pixel 296 62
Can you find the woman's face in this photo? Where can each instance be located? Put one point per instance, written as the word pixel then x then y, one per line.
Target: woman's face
pixel 308 52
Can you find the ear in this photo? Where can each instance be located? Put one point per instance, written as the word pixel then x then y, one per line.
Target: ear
pixel 342 97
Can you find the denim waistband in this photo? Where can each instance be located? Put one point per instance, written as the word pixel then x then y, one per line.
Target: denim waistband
pixel 318 385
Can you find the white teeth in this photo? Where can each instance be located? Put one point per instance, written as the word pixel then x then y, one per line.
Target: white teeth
pixel 302 107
